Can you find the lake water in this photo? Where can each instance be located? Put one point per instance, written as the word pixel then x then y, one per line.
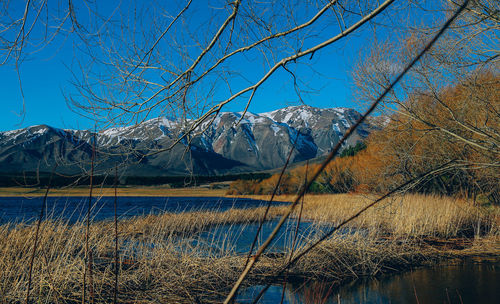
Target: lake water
pixel 238 238
pixel 17 209
pixel 469 281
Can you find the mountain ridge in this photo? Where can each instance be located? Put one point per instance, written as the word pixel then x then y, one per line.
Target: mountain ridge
pixel 231 144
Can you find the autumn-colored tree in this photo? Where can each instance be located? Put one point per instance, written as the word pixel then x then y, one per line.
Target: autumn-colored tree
pixel 458 124
pixel 242 187
pixel 446 109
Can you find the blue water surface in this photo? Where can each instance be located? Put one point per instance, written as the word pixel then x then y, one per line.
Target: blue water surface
pixel 71 209
pixel 466 282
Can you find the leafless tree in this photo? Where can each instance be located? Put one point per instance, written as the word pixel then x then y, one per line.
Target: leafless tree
pixel 449 104
pixel 182 67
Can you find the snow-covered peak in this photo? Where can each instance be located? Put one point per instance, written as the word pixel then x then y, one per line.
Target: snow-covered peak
pixel 32 130
pixel 26 135
pixel 162 128
pixel 340 110
pixel 251 118
pixel 303 110
pixel 13 132
pixel 112 132
pixel 303 115
pixel 297 116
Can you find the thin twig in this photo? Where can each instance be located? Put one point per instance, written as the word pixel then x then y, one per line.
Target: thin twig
pixel 115 292
pixel 294 242
pixel 215 38
pixel 37 231
pixel 158 40
pixel 88 259
pixel 19 34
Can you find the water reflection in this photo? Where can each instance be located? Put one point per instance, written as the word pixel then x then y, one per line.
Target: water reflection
pixel 238 237
pixel 468 281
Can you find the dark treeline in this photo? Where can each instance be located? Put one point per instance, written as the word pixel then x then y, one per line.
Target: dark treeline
pixel 41 179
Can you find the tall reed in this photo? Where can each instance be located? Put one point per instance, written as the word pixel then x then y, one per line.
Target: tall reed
pixel 172 257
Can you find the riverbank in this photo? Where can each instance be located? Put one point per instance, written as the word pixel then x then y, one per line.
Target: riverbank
pixel 178 257
pixel 153 191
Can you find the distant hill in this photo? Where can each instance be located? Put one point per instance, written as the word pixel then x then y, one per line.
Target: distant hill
pixel 259 142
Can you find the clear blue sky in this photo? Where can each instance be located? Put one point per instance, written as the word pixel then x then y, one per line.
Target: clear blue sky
pixel 45 75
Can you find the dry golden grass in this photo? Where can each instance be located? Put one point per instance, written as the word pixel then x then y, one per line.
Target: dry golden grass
pixel 413 215
pixel 160 262
pixel 104 191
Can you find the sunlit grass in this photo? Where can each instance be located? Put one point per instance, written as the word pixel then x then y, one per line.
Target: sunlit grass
pixel 413 215
pixel 107 191
pixel 159 262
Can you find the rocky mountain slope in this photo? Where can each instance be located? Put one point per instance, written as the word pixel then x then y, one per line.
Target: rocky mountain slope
pixel 258 142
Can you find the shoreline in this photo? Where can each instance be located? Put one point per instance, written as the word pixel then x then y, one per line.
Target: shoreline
pixel 147 191
pixel 154 191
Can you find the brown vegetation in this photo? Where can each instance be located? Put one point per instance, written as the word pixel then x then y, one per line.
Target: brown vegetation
pixel 106 191
pixel 412 215
pixel 159 261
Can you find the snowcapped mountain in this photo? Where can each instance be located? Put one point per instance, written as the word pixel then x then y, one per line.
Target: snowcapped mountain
pixel 230 144
pixel 326 126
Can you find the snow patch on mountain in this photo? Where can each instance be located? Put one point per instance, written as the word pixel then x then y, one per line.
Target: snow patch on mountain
pixel 336 128
pixel 114 132
pixel 275 128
